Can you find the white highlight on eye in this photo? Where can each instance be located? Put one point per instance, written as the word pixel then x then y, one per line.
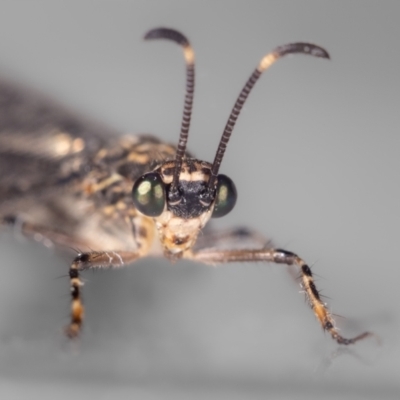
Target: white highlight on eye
pixel 144 188
pixel 223 194
pixel 158 192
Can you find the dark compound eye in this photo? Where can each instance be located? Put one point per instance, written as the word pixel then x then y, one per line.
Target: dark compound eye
pixel 148 194
pixel 225 196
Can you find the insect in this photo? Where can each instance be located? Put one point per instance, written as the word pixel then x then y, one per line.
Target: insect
pixel 121 198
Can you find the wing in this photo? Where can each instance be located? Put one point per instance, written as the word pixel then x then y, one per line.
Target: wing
pixel 41 144
pixel 44 150
pixel 61 175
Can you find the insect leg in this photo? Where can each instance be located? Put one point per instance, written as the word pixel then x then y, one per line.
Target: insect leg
pixel 83 261
pixel 280 256
pixel 91 260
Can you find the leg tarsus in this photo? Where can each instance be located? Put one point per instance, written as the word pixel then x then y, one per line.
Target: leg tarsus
pixel 318 306
pixel 281 256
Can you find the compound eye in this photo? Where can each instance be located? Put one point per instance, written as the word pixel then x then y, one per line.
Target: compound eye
pixel 148 194
pixel 225 197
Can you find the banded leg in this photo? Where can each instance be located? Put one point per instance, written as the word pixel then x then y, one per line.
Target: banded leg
pixel 84 260
pixel 280 256
pixel 91 260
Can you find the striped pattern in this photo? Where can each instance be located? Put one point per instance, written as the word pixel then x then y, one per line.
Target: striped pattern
pixel 267 61
pixel 177 37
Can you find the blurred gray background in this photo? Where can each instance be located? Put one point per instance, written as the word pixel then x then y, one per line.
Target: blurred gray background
pixel 315 157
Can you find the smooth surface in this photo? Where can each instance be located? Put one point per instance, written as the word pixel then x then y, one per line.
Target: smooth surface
pixel 315 159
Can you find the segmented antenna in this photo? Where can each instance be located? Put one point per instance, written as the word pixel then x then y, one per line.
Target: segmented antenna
pixel 267 61
pixel 177 37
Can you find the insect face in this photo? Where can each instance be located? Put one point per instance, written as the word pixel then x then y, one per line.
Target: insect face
pixel 180 214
